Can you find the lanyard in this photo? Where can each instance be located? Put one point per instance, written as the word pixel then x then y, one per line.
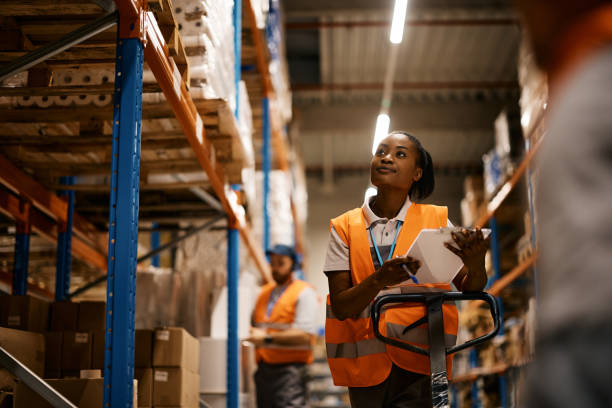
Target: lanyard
pixel 273 299
pixel 398 226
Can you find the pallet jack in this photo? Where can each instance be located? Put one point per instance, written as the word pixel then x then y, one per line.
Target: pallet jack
pixel 437 351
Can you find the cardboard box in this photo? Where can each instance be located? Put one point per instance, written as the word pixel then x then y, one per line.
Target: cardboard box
pixel 174 347
pixel 25 313
pixel 175 387
pixel 76 351
pixel 97 353
pixel 145 386
pixel 92 316
pixel 27 347
pixel 143 349
pixel 81 392
pixel 53 354
pixel 64 316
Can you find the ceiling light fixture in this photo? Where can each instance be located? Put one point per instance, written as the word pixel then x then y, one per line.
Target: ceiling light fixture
pixel 382 128
pixel 398 22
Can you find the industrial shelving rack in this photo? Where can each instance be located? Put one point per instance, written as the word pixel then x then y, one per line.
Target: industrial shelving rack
pixel 498 282
pixel 141 37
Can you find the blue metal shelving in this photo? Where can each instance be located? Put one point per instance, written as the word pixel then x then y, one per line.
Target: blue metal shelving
pixel 266 165
pixel 155 243
pixel 123 225
pixel 233 247
pixel 64 246
pixel 20 264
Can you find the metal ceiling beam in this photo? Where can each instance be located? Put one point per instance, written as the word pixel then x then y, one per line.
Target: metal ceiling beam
pixel 315 25
pixel 439 168
pixel 398 86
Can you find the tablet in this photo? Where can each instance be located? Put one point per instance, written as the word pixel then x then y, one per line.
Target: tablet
pixel 438 263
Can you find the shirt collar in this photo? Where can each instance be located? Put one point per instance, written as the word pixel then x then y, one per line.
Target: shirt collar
pixel 371 218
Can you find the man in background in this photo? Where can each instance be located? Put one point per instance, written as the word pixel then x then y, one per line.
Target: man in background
pixel 572 40
pixel 284 323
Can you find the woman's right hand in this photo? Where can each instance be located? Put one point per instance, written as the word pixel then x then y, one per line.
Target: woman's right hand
pixel 393 271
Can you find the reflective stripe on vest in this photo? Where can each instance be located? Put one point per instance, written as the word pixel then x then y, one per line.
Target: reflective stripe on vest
pixel 354 350
pixel 275 326
pixel 287 346
pixel 356 357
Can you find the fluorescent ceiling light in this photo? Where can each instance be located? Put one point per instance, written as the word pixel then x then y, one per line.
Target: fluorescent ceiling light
pixel 370 192
pixel 399 20
pixel 382 128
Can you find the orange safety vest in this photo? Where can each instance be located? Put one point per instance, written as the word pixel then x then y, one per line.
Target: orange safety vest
pixel 281 317
pixel 356 357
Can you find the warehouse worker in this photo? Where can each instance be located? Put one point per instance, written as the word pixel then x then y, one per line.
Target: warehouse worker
pixel 284 323
pixel 365 255
pixel 572 41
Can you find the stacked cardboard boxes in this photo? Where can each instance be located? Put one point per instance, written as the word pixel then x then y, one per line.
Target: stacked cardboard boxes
pixel 176 381
pixel 27 347
pixel 23 320
pixel 143 363
pixel 75 339
pixel 82 392
pixel 23 312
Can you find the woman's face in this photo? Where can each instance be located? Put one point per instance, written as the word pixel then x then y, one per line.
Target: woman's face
pixel 395 163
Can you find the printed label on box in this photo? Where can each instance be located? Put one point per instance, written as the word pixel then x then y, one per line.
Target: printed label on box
pixel 81 337
pixel 161 376
pixel 14 320
pixel 163 335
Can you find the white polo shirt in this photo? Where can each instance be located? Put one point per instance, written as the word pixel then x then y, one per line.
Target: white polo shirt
pixel 383 230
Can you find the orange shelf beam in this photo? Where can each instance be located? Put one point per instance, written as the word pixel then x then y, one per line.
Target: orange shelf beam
pixel 47 202
pixel 40 223
pixel 511 276
pixel 170 81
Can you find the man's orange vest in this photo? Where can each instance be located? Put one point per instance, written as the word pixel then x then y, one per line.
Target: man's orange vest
pixel 356 357
pixel 281 317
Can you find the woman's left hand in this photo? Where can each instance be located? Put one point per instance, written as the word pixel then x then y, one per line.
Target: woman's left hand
pixel 472 247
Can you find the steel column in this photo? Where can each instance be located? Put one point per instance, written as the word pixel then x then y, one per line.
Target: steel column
pixel 123 225
pixel 495 258
pixel 233 248
pixel 20 264
pixel 233 350
pixel 475 394
pixel 64 246
pixel 155 242
pixel 266 171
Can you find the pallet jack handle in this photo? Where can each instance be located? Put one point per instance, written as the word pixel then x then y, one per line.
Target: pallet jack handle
pixel 430 299
pixel 437 351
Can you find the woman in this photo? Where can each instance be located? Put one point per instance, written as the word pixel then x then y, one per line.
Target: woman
pixel 365 255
